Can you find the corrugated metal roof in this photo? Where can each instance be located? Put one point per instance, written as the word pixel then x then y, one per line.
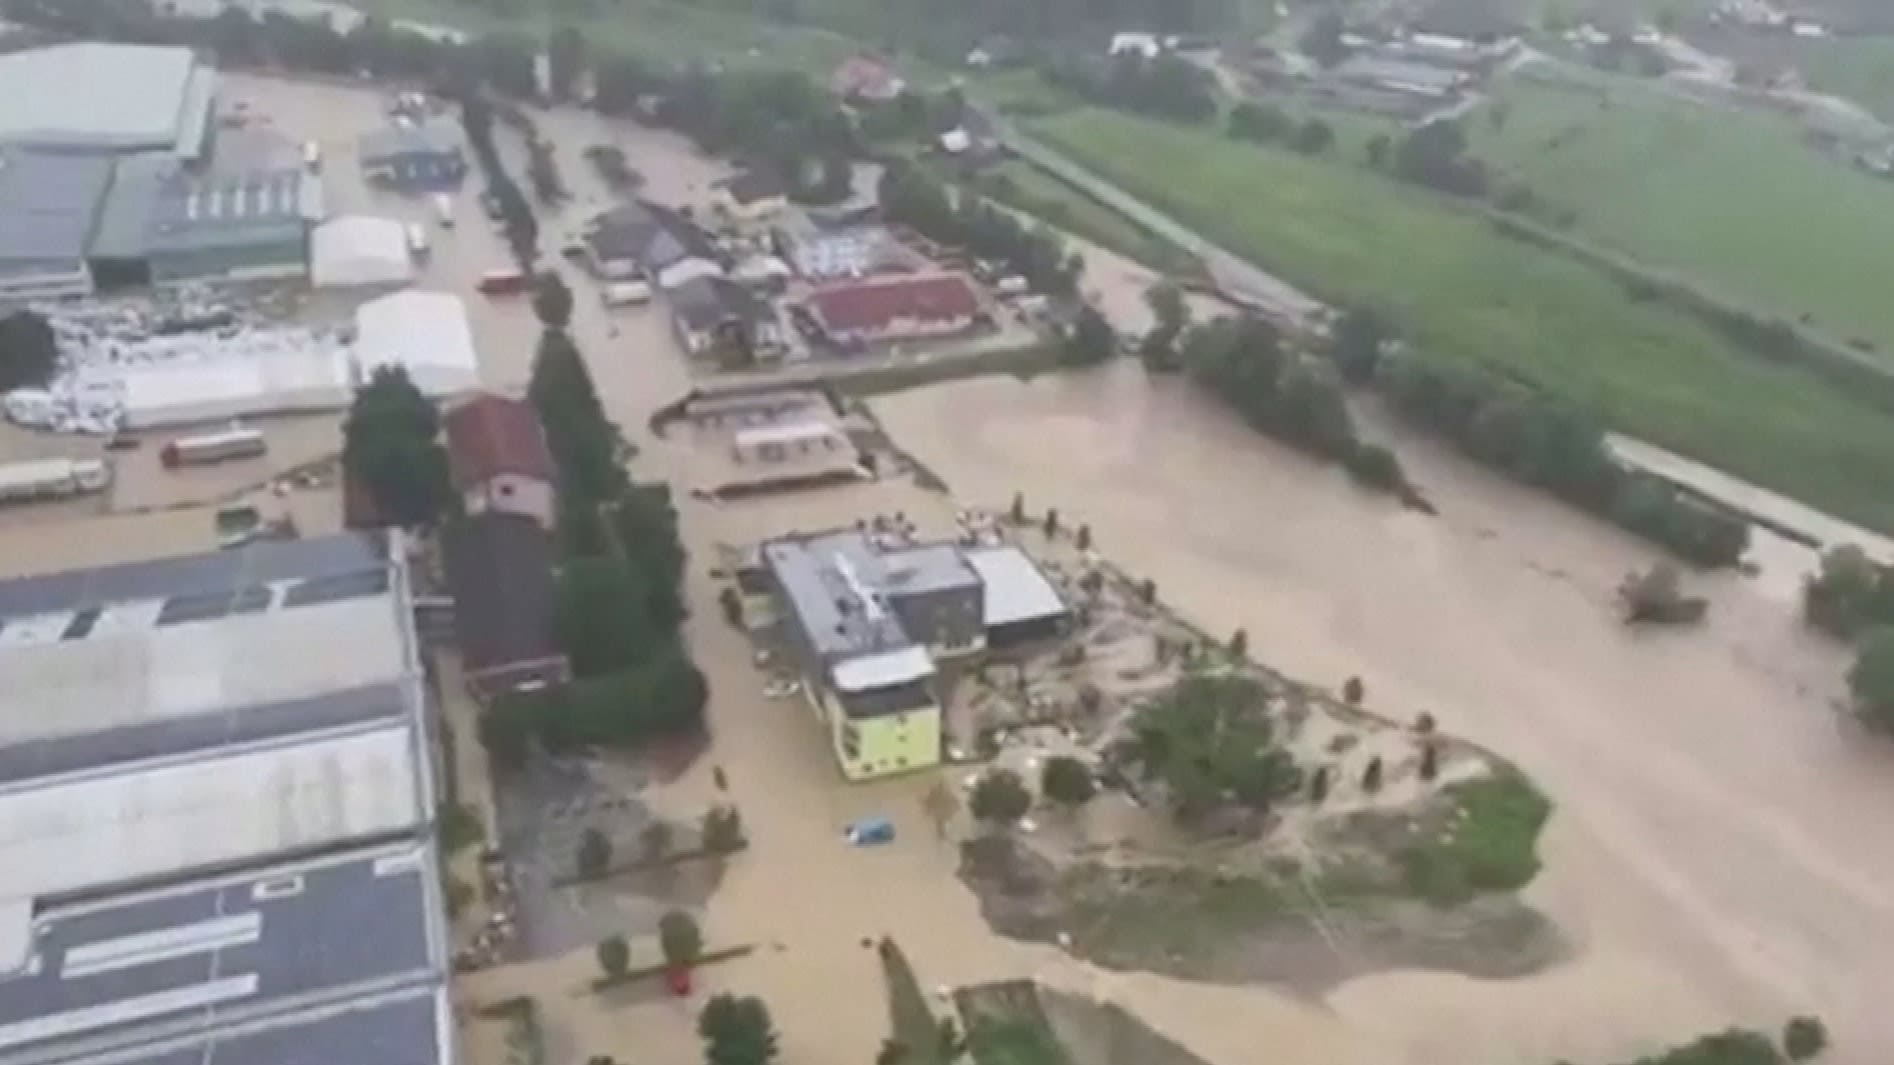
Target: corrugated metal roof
pixel 130 96
pixel 48 204
pixel 1016 590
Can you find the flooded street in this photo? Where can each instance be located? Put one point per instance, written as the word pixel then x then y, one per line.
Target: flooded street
pixel 1717 857
pixel 1716 850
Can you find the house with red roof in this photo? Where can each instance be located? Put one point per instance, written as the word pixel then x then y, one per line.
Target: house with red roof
pixel 890 309
pixel 498 456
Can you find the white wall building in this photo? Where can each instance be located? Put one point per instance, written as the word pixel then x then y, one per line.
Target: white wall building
pixel 360 250
pixel 425 333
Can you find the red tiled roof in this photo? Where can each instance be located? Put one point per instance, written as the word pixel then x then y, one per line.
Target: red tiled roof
pixel 493 435
pixel 873 305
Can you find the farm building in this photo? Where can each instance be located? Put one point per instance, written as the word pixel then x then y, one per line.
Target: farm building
pixel 96 98
pixel 642 239
pixel 429 156
pixel 711 315
pixel 498 455
pixel 893 309
pixel 424 333
pixel 499 567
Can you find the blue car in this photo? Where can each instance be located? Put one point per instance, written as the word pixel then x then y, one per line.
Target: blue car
pixel 870 831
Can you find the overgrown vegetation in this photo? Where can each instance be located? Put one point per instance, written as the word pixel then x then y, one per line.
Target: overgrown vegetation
pixel 1210 742
pixel 1850 594
pixel 1244 363
pixel 1164 86
pixel 1491 846
pixel 737 1030
pixel 1871 680
pixel 618 607
pixel 1537 439
pixel 1737 1046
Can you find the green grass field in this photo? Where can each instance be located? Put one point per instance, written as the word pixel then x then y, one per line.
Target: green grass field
pixel 1735 201
pixel 1460 289
pixel 1024 187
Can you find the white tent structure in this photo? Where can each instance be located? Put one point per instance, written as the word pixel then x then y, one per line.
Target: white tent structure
pixel 183 393
pixel 425 333
pixel 360 250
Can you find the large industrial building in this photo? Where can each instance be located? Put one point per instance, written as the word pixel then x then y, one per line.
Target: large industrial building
pixel 216 810
pixel 97 98
pixel 869 619
pixel 161 225
pixel 48 204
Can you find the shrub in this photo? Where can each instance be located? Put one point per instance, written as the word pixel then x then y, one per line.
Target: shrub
pixel 722 830
pixel 1804 1037
pixel 614 956
pixel 595 854
pixel 1067 781
pixel 999 798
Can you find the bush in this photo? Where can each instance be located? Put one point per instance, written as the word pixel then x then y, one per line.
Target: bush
pixel 1494 847
pixel 722 830
pixel 1871 681
pixel 1066 781
pixel 595 854
pixel 1851 593
pixel 999 798
pixel 1804 1037
pixel 680 939
pixel 614 956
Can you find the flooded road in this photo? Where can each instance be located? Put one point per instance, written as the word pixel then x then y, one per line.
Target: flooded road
pixel 1716 852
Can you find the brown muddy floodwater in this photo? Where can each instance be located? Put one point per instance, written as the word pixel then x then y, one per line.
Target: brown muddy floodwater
pixel 1718 854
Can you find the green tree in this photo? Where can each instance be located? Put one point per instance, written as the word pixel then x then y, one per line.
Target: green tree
pixel 28 351
pixel 390 448
pixel 1850 593
pixel 1017 513
pixel 600 616
pixel 1376 150
pixel 1240 644
pixel 1066 781
pixel 1353 691
pixel 680 939
pixel 1210 741
pixel 1313 137
pixel 1872 680
pixel 999 798
pixel 614 956
pixel 584 443
pixel 1804 1038
pixel 1089 341
pixel 1371 776
pixel 654 841
pixel 722 830
pixel 737 1031
pixel 552 300
pixel 1083 539
pixel 1356 344
pixel 1159 349
pixel 1254 121
pixel 595 854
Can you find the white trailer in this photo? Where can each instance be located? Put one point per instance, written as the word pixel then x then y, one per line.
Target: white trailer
pixel 625 293
pixel 418 246
pixel 444 210
pixel 52 479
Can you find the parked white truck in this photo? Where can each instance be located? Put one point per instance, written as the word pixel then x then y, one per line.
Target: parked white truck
pixel 625 293
pixel 52 479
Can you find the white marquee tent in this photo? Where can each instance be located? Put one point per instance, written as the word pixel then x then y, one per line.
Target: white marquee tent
pixel 360 250
pixel 426 333
pixel 182 393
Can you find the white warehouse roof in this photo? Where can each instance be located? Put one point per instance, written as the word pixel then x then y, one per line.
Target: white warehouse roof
pixel 90 832
pixel 92 96
pixel 883 670
pixel 1015 588
pixel 360 250
pixel 183 393
pixel 425 333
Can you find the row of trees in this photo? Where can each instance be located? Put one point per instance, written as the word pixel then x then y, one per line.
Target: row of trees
pixel 910 196
pixel 516 215
pixel 1536 439
pixel 1243 361
pixel 1166 86
pixel 617 610
pixel 1269 124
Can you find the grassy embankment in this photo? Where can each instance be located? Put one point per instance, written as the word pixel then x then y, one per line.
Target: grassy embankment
pixel 1459 288
pixel 1859 68
pixel 1734 200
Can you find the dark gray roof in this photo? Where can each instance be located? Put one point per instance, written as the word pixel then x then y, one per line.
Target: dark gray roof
pixel 654 235
pixel 199 733
pixel 390 142
pixel 400 1028
pixel 704 303
pixel 216 573
pixel 48 204
pixel 279 939
pixel 753 185
pixel 156 207
pixel 499 566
